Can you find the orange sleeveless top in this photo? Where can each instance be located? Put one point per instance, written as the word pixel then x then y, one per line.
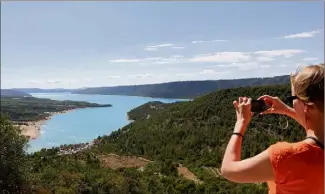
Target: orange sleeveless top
pixel 298 168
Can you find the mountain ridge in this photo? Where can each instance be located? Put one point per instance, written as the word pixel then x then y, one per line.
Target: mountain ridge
pixel 13 93
pixel 174 89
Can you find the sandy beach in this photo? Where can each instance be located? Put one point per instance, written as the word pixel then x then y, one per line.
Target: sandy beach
pixel 32 129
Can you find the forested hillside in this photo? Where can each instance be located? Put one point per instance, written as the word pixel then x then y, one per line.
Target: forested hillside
pixel 185 89
pixel 191 134
pixel 146 110
pixel 196 133
pixel 34 109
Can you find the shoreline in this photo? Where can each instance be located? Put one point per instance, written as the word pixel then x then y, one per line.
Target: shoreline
pixel 32 129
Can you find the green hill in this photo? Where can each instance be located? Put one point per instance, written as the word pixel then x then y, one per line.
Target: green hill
pixel 196 133
pixel 183 89
pixel 146 110
pixel 193 134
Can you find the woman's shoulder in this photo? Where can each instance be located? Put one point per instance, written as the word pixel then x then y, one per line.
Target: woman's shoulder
pixel 283 149
pixel 282 154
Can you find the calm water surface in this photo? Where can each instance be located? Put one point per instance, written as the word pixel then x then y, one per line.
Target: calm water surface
pixel 83 125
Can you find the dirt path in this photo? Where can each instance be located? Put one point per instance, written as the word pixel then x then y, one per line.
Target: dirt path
pixel 186 173
pixel 116 161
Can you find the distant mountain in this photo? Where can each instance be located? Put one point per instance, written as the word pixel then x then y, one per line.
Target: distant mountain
pixel 38 90
pixel 184 89
pixel 13 93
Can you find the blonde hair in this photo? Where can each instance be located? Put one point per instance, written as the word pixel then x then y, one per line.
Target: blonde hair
pixel 308 85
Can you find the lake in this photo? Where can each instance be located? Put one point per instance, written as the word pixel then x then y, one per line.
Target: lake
pixel 84 125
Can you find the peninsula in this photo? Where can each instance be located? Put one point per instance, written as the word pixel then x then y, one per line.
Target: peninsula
pixel 31 113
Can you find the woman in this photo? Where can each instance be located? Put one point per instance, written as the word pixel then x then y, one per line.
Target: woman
pixel 287 167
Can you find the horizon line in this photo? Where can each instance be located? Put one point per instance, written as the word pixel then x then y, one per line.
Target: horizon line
pixel 147 83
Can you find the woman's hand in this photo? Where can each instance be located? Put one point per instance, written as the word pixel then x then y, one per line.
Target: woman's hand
pixel 243 110
pixel 276 106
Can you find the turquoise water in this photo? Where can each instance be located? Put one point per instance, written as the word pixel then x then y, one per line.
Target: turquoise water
pixel 83 125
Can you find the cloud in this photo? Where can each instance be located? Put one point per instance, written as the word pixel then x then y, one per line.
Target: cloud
pixel 32 81
pixel 150 49
pixel 219 40
pixel 264 59
pixel 155 47
pixel 53 81
pixel 113 77
pixel 310 59
pixel 178 47
pixel 161 45
pixel 197 41
pixel 219 57
pixel 222 57
pixel 276 53
pixel 208 71
pixel 303 34
pixel 141 75
pixel 124 61
pixel 151 60
pixel 213 72
pixel 206 41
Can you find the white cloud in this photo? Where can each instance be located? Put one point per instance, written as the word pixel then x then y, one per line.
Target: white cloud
pixel 222 57
pixel 264 59
pixel 141 75
pixel 208 71
pixel 161 45
pixel 310 59
pixel 32 81
pixel 303 34
pixel 124 61
pixel 151 60
pixel 275 53
pixel 155 47
pixel 113 77
pixel 198 41
pixel 203 41
pixel 178 47
pixel 150 49
pixel 219 40
pixel 53 81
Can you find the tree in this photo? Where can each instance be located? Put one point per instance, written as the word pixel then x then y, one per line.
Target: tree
pixel 13 162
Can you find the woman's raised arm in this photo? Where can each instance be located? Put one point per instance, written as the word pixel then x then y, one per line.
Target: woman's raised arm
pixel 254 169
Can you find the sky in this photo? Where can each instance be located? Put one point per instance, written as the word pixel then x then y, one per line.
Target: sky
pixel 91 44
